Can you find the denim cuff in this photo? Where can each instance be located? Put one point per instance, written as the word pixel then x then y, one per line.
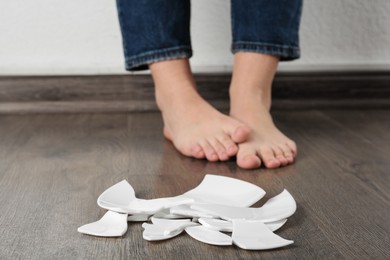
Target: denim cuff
pixel 284 52
pixel 141 61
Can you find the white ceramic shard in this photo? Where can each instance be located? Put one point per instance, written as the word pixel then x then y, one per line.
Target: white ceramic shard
pixel 149 235
pixel 208 236
pixel 227 226
pixel 154 205
pixel 166 214
pixel 186 210
pixel 273 226
pixel 277 208
pixel 255 235
pixel 138 217
pixel 161 221
pixel 121 198
pixel 223 190
pixel 216 224
pixel 112 224
pixel 165 229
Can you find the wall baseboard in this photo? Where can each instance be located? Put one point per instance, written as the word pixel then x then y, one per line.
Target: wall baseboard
pixel 125 93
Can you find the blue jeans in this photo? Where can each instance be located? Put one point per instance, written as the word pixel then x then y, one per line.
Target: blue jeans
pixel 157 30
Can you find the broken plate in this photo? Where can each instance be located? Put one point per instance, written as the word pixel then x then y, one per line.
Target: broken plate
pixel 223 190
pixel 208 236
pixel 277 208
pixel 112 224
pixel 255 235
pixel 227 226
pixel 121 198
pixel 219 203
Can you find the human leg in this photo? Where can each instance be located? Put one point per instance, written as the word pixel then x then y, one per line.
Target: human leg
pixel 156 36
pixel 250 93
pixel 264 32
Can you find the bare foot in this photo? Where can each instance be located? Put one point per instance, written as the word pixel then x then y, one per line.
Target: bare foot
pixel 266 144
pixel 195 127
pixel 250 94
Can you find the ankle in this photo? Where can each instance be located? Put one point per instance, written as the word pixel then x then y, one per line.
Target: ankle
pixel 252 78
pixel 249 96
pixel 175 95
pixel 173 82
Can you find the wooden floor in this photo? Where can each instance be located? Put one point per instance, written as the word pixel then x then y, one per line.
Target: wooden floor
pixel 53 168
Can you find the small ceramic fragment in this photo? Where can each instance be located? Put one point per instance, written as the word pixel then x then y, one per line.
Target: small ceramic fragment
pixel 162 221
pixel 223 190
pixel 112 224
pixel 227 226
pixel 165 230
pixel 121 198
pixel 166 214
pixel 186 210
pixel 149 235
pixel 273 226
pixel 255 235
pixel 277 208
pixel 208 236
pixel 216 224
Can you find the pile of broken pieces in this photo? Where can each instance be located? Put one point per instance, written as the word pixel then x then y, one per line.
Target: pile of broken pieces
pixel 215 212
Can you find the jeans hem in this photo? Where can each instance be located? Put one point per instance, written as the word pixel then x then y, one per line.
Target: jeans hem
pixel 142 60
pixel 284 52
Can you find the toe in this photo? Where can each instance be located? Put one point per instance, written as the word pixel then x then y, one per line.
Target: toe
pixel 247 158
pixel 293 147
pixel 209 151
pixel 220 149
pixel 197 151
pixel 268 157
pixel 279 155
pixel 185 150
pixel 249 162
pixel 230 147
pixel 288 154
pixel 167 134
pixel 240 134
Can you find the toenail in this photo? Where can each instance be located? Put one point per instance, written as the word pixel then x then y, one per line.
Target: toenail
pixel 274 161
pixel 232 149
pixel 196 149
pixel 246 158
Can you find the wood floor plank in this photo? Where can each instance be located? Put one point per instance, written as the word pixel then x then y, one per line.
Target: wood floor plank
pixel 53 168
pixel 368 136
pixel 346 208
pixel 371 125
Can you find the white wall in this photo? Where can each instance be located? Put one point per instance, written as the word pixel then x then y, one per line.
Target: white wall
pixel 82 37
